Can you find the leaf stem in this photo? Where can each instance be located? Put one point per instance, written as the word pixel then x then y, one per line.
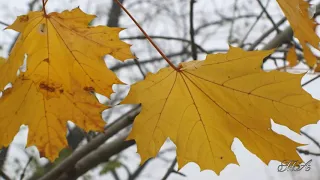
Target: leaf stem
pixel 147 36
pixel 44 2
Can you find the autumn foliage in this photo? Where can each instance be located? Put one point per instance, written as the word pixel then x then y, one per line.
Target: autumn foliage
pixel 64 65
pixel 200 105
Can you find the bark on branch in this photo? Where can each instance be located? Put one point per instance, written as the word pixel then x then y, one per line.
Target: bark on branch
pixel 70 162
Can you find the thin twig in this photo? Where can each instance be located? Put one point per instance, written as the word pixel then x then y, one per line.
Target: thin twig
pixel 25 168
pixel 3 23
pixel 284 36
pixel 155 59
pixel 269 17
pixel 222 21
pixel 44 7
pixel 126 168
pixel 151 60
pixel 311 80
pixel 170 170
pixel 266 34
pixel 179 173
pixel 192 35
pixel 230 39
pixel 311 138
pixel 166 38
pixel 139 67
pixel 150 40
pixel 114 174
pixel 136 174
pixel 306 152
pixel 253 25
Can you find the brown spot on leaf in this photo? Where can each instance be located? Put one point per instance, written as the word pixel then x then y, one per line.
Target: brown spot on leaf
pixel 89 89
pixel 46 87
pixel 24 18
pixel 61 91
pixel 46 60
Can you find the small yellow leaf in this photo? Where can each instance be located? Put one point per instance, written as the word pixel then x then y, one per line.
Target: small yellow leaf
pixel 46 118
pixel 297 13
pixel 292 57
pixel 203 109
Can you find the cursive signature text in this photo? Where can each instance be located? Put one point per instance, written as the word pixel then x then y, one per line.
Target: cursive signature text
pixel 294 165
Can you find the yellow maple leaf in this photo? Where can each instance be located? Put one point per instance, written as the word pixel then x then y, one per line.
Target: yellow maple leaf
pixel 297 13
pixel 207 104
pixel 46 118
pixel 61 47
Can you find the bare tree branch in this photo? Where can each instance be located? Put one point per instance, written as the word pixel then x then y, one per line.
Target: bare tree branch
pixel 25 168
pixel 222 21
pixel 192 35
pixel 114 15
pixel 94 158
pixel 69 163
pixel 170 170
pixel 266 34
pixel 241 44
pixel 268 16
pixel 166 38
pixel 155 59
pixel 283 37
pixel 311 80
pixel 139 67
pixel 139 170
pixel 306 152
pixel 3 23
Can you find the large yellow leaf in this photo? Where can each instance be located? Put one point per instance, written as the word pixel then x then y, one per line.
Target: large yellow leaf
pixel 317 69
pixel 61 47
pixel 46 118
pixel 209 103
pixel 2 61
pixel 303 26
